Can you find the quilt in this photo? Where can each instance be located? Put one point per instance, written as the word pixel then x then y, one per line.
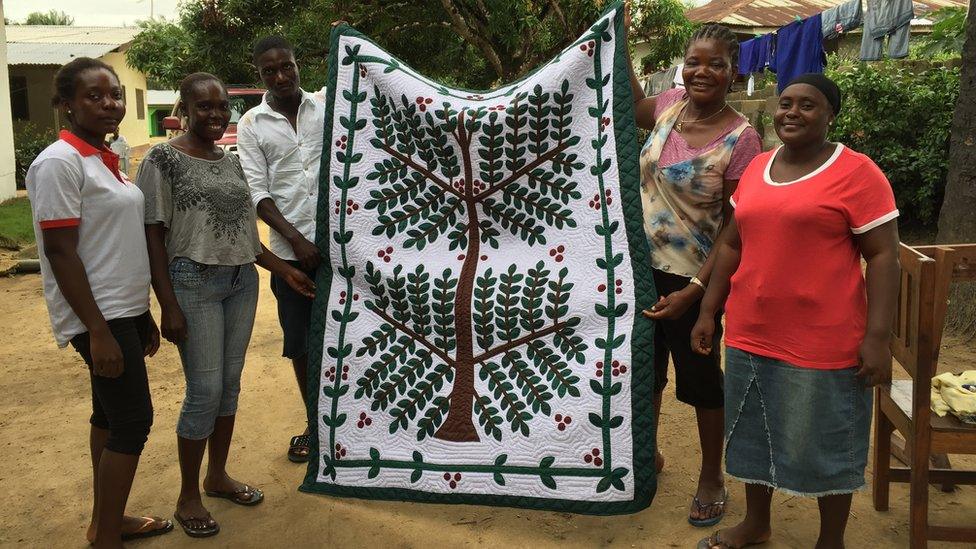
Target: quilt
pixel 476 333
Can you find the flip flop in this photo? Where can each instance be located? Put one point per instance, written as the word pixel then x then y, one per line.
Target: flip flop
pixel 703 507
pixel 204 532
pixel 256 497
pixel 298 442
pixel 715 540
pixel 147 530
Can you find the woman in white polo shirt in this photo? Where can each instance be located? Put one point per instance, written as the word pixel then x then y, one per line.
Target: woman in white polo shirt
pixel 88 220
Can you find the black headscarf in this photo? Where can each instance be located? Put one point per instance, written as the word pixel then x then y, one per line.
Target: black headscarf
pixel 826 86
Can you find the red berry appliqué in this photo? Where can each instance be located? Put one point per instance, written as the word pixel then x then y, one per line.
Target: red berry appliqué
pixel 341 142
pixel 619 289
pixel 362 71
pixel 599 369
pixel 364 420
pixel 595 202
pixel 593 457
pixel 588 48
pixel 557 253
pixel 618 368
pixel 609 198
pixel 452 480
pixel 562 421
pixel 340 451
pixel 332 373
pixel 422 103
pixel 385 255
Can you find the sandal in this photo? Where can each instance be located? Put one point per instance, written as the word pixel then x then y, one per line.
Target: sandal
pixel 703 508
pixel 295 449
pixel 201 532
pixel 715 540
pixel 148 529
pixel 245 496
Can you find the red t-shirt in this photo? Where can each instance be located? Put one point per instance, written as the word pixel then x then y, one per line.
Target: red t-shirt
pixel 798 294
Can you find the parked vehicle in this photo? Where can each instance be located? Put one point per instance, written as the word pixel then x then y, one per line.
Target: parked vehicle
pixel 241 100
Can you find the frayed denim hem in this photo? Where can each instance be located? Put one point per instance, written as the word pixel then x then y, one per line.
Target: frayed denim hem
pixel 787 491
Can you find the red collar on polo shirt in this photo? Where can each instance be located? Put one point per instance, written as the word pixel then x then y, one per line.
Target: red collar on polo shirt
pixel 109 158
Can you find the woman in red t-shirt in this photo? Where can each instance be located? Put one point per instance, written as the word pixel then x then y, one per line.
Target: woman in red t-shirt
pixel 806 338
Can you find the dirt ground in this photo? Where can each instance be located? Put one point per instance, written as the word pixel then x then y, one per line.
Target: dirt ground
pixel 46 474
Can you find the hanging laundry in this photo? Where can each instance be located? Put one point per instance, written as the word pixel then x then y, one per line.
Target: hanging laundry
pixel 660 81
pixel 840 19
pixel 891 18
pixel 799 50
pixel 756 54
pixel 955 394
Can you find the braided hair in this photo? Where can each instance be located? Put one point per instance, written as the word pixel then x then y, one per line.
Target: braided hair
pixel 65 80
pixel 721 33
pixel 188 83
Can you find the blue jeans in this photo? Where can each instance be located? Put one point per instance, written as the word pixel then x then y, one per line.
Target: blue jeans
pixel 219 303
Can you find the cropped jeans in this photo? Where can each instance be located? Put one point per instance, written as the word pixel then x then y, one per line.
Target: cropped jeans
pixel 219 304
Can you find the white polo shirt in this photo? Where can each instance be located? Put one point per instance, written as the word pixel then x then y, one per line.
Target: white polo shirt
pixel 282 164
pixel 73 184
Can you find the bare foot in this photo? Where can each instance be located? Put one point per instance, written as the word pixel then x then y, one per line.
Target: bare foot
pixel 740 535
pixel 658 462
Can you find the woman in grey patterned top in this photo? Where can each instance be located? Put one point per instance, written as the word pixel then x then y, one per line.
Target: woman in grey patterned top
pixel 203 242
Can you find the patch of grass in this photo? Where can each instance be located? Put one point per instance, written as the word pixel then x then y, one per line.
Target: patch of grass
pixel 16 225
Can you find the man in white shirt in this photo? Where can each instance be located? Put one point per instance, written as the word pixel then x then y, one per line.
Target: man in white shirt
pixel 280 144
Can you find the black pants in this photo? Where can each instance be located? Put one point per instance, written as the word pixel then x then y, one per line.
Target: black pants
pixel 699 377
pixel 294 314
pixel 122 405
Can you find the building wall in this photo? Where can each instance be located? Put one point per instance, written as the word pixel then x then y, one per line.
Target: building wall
pixel 40 79
pixel 8 184
pixel 134 129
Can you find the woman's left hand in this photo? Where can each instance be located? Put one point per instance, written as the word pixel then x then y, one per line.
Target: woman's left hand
pixel 153 344
pixel 675 304
pixel 874 357
pixel 300 282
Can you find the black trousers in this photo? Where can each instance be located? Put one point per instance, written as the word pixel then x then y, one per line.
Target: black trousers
pixel 699 378
pixel 122 405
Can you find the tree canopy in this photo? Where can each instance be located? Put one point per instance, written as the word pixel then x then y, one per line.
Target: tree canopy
pixel 52 17
pixel 469 43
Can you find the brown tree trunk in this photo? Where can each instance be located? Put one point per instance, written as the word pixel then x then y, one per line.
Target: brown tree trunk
pixel 957 221
pixel 459 425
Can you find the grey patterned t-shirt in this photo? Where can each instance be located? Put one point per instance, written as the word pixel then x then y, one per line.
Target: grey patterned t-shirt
pixel 205 206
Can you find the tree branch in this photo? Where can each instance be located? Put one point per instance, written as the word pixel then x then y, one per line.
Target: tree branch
pixel 460 25
pixel 422 170
pixel 522 171
pixel 518 342
pixel 417 337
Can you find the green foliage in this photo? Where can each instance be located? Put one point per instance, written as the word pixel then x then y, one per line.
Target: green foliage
pixel 52 17
pixel 16 225
pixel 460 43
pixel 948 33
pixel 29 141
pixel 901 120
pixel 663 25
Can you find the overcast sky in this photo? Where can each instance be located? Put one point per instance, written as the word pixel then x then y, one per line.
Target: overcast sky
pixel 112 13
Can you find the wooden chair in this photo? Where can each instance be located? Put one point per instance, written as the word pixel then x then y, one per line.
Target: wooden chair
pixel 905 406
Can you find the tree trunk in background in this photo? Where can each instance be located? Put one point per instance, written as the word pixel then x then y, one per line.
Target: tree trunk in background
pixel 957 220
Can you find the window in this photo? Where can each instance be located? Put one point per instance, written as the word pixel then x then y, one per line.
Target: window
pixel 19 106
pixel 141 104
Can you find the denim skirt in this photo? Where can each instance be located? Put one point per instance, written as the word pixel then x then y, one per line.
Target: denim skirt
pixel 803 431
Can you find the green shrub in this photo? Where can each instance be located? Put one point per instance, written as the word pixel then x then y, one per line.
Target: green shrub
pixel 29 141
pixel 901 119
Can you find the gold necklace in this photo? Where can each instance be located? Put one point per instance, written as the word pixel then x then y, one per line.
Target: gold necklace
pixel 679 126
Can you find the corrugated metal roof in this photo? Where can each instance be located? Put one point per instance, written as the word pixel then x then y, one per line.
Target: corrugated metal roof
pixel 777 13
pixel 52 54
pixel 61 34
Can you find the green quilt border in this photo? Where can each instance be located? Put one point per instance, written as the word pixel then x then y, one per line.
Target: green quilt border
pixel 642 333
